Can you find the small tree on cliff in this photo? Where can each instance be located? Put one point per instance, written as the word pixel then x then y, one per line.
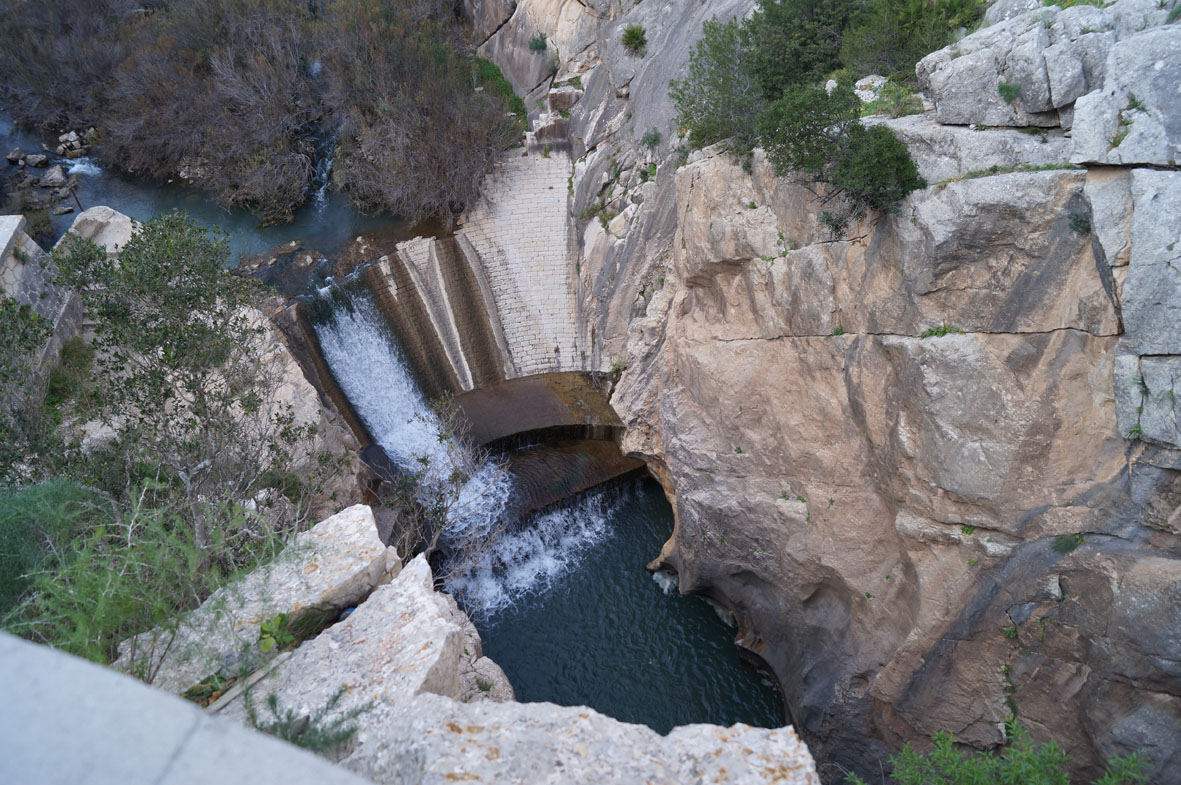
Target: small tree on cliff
pixel 185 373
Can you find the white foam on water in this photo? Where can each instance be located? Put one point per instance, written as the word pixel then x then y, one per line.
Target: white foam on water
pixel 84 166
pixel 374 376
pixel 530 560
pixel 666 580
pixel 324 177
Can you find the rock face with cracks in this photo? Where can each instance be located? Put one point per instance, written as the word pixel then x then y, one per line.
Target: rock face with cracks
pixel 429 708
pixel 328 568
pixel 933 467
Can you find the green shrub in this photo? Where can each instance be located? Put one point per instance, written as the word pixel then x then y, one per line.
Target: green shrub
pixel 1080 221
pixel 941 330
pixel 314 732
pixel 491 78
pixel 634 39
pixel 1009 91
pixel 874 168
pixel 651 139
pixel 794 41
pixel 1020 762
pixel 37 524
pixel 889 36
pixel 1065 543
pixel 896 99
pixel 801 129
pixel 811 132
pixel 719 99
pixel 68 380
pixel 537 43
pixel 123 573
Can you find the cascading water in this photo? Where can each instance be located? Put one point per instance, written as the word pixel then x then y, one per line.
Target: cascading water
pixel 561 600
pixel 374 376
pixel 83 165
pixel 323 178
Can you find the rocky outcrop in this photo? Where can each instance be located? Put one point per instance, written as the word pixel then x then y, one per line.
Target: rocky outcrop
pixel 1133 118
pixel 328 568
pixel 873 443
pixel 429 708
pixel 932 468
pixel 104 226
pixel 1028 69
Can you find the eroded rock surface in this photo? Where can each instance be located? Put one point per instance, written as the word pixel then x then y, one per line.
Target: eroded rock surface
pixel 933 467
pixel 434 710
pixel 328 568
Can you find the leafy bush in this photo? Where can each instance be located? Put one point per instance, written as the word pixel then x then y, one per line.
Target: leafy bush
pixel 634 39
pixel 794 41
pixel 889 36
pixel 873 168
pixel 1008 91
pixel 650 139
pixel 1021 761
pixel 538 43
pixel 811 132
pixel 182 368
pixel 719 99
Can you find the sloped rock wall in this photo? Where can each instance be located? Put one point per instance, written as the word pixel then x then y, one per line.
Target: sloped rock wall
pixel 933 467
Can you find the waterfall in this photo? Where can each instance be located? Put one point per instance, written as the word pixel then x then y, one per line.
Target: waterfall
pixel 323 178
pixel 369 367
pixel 83 165
pixel 532 558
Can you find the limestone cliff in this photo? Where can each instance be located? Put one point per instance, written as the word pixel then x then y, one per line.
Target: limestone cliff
pixel 874 445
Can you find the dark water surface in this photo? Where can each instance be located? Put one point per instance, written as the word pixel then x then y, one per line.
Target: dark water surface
pixel 325 222
pixel 605 634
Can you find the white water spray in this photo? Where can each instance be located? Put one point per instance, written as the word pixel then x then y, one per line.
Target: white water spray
pixel 324 177
pixel 374 376
pixel 84 166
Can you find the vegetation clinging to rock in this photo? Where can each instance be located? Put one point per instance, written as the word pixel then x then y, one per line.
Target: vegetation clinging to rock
pixel 192 480
pixel 758 83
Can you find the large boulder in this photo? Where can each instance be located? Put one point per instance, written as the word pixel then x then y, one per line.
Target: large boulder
pixel 901 483
pixel 332 566
pixel 398 664
pixel 433 741
pixel 54 178
pixel 1029 68
pixel 104 226
pixel 1135 118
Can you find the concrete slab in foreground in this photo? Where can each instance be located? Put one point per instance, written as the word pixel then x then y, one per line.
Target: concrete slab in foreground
pixel 69 721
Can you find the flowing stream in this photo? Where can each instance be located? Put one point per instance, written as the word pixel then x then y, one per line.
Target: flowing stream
pixel 325 222
pixel 562 600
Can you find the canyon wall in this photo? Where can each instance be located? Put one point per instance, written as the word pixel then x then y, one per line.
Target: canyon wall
pixel 934 468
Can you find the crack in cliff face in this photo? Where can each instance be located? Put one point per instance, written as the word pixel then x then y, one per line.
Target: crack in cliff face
pixel 508 18
pixel 851 334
